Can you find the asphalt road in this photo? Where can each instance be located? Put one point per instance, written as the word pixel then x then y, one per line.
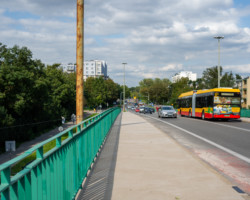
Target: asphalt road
pixel 231 135
pixel 225 145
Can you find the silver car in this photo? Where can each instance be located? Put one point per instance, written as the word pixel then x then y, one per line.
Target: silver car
pixel 167 111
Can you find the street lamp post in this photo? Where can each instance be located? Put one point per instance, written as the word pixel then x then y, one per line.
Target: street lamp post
pixel 120 97
pixel 124 86
pixel 148 97
pixel 218 38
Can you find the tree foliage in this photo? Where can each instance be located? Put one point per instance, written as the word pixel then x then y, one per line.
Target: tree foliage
pixel 182 85
pixel 156 90
pixel 32 97
pixel 210 79
pixel 100 92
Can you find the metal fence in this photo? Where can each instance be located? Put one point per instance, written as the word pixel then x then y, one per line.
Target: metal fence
pixel 245 112
pixel 58 173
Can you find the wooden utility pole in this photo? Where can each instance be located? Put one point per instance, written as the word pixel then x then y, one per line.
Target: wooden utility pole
pixel 79 60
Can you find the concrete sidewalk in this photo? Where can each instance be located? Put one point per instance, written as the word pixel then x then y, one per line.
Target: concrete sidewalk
pixel 151 165
pixel 245 119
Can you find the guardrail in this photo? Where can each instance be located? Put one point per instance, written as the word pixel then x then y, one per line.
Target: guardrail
pixel 245 112
pixel 58 173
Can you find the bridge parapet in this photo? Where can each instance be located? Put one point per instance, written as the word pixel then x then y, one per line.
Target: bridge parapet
pixel 58 173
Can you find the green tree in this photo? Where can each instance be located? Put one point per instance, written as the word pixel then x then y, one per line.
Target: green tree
pixel 210 78
pixel 61 92
pixel 100 92
pixel 156 90
pixel 32 97
pixel 181 85
pixel 228 80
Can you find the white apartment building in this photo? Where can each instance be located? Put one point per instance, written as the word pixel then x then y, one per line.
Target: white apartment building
pixel 185 74
pixel 95 68
pixel 92 68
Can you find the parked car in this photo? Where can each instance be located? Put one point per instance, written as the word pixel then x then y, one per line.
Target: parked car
pixel 167 111
pixel 137 110
pixel 147 110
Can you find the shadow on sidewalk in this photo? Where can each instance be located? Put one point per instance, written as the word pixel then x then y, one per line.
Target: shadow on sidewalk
pixel 99 183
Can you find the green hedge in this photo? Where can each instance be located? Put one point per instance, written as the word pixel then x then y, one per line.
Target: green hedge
pixel 245 112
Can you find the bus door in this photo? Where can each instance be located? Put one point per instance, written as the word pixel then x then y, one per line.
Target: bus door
pixel 193 104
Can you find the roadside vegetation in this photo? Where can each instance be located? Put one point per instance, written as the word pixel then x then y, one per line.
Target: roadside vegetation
pixel 163 91
pixel 34 97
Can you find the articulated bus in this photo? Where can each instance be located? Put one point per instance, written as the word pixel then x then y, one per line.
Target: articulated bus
pixel 217 103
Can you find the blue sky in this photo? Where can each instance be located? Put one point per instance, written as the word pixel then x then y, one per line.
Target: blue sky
pixel 156 38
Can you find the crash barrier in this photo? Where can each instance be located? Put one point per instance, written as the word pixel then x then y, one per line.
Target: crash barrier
pixel 245 112
pixel 58 173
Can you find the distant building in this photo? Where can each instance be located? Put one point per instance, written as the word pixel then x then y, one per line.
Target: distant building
pixel 244 86
pixel 95 68
pixel 184 74
pixel 92 68
pixel 69 68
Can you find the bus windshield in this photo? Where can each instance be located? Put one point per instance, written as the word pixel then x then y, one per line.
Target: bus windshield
pixel 226 100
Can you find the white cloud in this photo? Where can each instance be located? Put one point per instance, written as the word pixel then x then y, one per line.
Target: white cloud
pixel 171 67
pixel 177 35
pixel 240 68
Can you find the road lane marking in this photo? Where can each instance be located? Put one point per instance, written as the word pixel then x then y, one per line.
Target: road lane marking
pixel 246 159
pixel 243 129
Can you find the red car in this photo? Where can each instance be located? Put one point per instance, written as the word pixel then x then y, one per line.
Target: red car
pixel 137 110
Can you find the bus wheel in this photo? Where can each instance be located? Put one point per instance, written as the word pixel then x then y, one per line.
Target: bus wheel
pixel 203 115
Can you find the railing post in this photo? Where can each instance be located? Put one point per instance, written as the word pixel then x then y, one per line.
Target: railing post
pixel 70 133
pixel 5 180
pixel 39 153
pixel 78 129
pixel 58 141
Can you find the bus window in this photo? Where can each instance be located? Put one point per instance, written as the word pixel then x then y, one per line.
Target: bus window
pixel 198 102
pixel 210 101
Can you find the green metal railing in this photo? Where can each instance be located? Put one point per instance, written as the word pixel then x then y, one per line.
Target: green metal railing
pixel 245 112
pixel 58 173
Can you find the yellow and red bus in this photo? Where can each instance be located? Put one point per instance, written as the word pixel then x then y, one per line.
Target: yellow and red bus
pixel 218 103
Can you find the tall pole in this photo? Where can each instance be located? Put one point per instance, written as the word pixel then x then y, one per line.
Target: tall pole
pixel 124 86
pixel 79 61
pixel 218 67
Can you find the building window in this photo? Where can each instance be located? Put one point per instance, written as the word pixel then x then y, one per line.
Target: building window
pixel 92 72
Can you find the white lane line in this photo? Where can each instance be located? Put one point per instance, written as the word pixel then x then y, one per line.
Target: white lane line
pixel 243 129
pixel 246 159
